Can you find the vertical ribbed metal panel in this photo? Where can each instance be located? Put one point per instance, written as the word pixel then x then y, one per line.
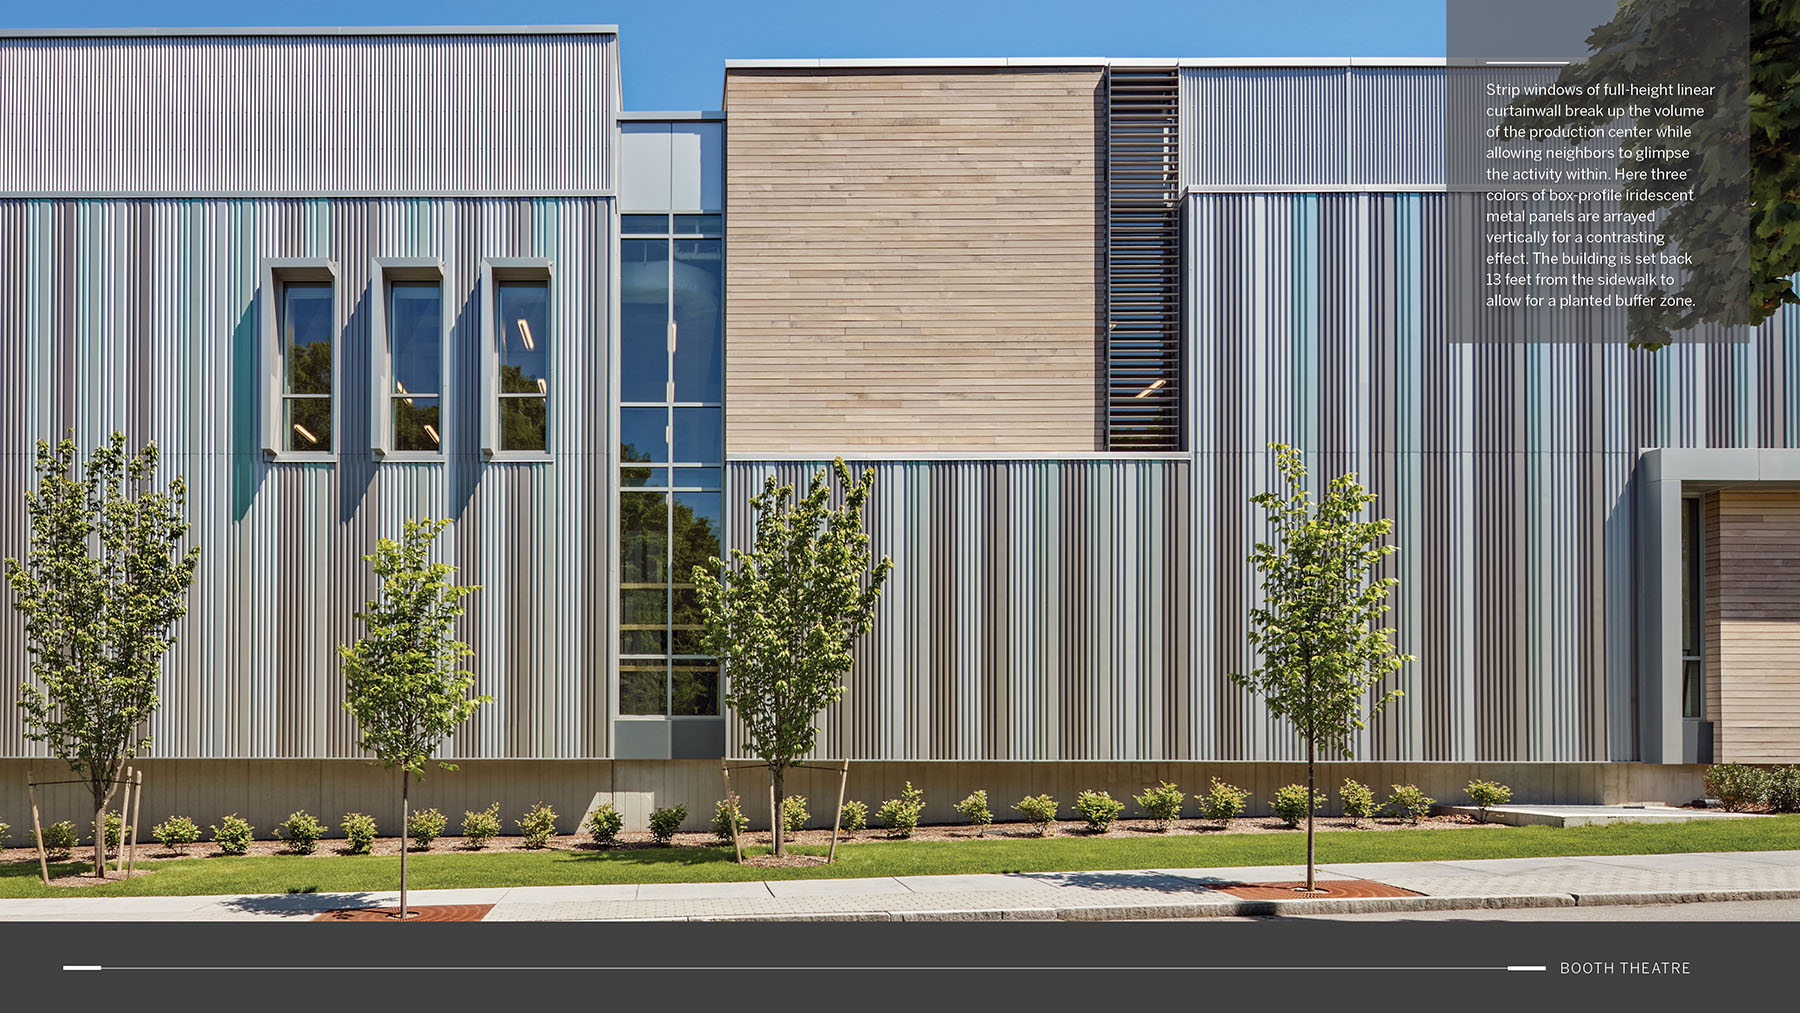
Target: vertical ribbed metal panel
pixel 1037 610
pixel 1297 128
pixel 142 316
pixel 298 115
pixel 1316 320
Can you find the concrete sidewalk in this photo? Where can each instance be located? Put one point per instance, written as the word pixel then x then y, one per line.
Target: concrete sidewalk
pixel 1069 896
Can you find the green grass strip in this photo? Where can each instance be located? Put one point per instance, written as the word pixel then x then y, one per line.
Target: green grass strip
pixel 334 874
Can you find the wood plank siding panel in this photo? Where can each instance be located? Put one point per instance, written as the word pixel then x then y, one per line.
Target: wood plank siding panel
pixel 1754 608
pixel 912 260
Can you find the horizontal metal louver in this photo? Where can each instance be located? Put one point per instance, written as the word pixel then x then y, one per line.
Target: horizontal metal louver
pixel 1143 262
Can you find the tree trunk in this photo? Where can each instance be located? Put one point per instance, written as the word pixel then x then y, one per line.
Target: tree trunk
pixel 102 792
pixel 779 804
pixel 405 821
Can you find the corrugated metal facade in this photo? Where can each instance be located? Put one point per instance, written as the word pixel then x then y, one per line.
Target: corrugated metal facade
pixel 141 315
pixel 1306 127
pixel 378 115
pixel 1038 610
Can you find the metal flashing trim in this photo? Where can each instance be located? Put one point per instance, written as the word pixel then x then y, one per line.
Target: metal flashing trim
pixel 856 454
pixel 1094 61
pixel 679 116
pixel 277 31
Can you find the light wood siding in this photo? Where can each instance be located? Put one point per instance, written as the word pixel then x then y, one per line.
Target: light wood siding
pixel 1754 627
pixel 913 260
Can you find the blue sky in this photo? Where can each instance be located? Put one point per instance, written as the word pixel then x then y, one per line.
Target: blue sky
pixel 672 50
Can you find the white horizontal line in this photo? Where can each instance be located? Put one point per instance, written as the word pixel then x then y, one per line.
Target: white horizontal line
pixel 81 967
pixel 797 967
pixel 1526 967
pixel 1526 63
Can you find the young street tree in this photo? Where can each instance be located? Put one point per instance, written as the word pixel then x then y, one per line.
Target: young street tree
pixel 102 584
pixel 783 617
pixel 1322 650
pixel 402 680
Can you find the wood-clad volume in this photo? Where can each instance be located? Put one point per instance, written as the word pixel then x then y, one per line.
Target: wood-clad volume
pixel 1753 625
pixel 913 260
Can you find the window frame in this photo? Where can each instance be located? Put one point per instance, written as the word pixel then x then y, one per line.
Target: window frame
pixel 496 271
pixel 275 274
pixel 1693 607
pixel 383 272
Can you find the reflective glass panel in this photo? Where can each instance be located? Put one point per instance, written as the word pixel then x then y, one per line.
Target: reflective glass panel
pixel 644 320
pixel 699 325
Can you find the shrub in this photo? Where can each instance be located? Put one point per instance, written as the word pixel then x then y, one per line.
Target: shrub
pixel 901 815
pixel 58 838
pixel 1039 811
pixel 1358 800
pixel 1487 793
pixel 5 828
pixel 301 832
pixel 725 814
pixel 1099 808
pixel 975 810
pixel 359 832
pixel 1783 796
pixel 425 826
pixel 1736 786
pixel 856 816
pixel 664 823
pixel 1290 803
pixel 1222 802
pixel 233 835
pixel 604 824
pixel 793 813
pixel 1408 803
pixel 116 830
pixel 176 833
pixel 481 826
pixel 1161 803
pixel 538 825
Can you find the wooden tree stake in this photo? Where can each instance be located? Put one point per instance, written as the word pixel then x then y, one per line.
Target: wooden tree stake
pixel 137 808
pixel 838 821
pixel 37 830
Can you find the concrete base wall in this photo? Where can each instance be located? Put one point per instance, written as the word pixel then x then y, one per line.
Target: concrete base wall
pixel 266 791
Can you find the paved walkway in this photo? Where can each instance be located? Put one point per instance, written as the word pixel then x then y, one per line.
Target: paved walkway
pixel 1069 896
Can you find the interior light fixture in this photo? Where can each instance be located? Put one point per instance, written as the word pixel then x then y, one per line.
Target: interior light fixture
pixel 431 431
pixel 308 436
pixel 1147 390
pixel 525 334
pixel 401 389
pixel 543 388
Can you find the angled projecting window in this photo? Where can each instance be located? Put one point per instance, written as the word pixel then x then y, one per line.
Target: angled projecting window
pixel 408 339
pixel 516 367
pixel 300 358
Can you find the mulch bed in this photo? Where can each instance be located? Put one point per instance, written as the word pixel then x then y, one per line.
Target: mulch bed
pixel 332 848
pixel 1335 889
pixel 87 878
pixel 416 913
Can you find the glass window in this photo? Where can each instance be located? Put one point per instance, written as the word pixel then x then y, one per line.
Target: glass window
pixel 699 225
pixel 306 339
pixel 695 533
pixel 699 434
pixel 695 478
pixel 643 686
pixel 1693 605
pixel 644 320
pixel 415 320
pixel 644 434
pixel 643 620
pixel 522 313
pixel 699 336
pixel 644 225
pixel 643 539
pixel 694 688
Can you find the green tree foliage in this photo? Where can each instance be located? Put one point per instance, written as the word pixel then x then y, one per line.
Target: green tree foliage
pixel 1689 40
pixel 784 616
pixel 102 584
pixel 402 679
pixel 1316 630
